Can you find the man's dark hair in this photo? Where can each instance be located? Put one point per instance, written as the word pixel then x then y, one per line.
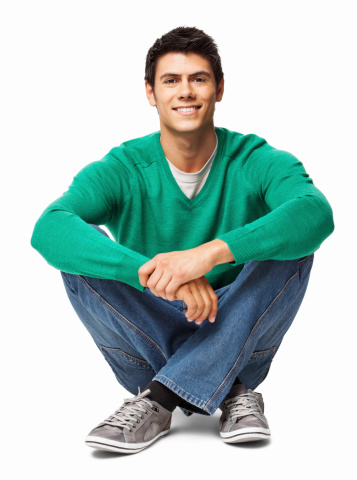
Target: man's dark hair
pixel 184 40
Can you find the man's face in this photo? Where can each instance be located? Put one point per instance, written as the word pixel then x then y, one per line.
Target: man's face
pixel 185 92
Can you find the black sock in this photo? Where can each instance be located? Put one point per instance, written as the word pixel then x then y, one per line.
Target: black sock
pixel 163 395
pixel 237 382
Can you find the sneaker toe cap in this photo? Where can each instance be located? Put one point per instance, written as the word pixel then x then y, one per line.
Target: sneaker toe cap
pixel 108 432
pixel 248 421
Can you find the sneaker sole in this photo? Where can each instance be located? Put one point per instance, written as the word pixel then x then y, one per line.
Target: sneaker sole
pixel 113 446
pixel 246 435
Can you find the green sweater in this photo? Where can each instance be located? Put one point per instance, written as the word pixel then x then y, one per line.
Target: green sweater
pixel 257 199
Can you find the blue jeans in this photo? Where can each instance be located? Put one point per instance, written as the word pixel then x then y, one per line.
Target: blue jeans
pixel 144 337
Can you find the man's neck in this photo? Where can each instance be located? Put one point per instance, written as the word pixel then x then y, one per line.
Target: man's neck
pixel 189 152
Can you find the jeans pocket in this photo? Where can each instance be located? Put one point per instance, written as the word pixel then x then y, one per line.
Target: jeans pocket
pixel 131 372
pixel 257 368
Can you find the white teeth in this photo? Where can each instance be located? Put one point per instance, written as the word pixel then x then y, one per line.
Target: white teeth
pixel 187 109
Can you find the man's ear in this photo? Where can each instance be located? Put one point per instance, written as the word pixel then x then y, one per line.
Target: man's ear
pixel 150 94
pixel 220 91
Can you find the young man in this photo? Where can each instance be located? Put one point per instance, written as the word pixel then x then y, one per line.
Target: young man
pixel 215 234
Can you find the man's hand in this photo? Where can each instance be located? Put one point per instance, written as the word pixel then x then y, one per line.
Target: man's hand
pixel 165 272
pixel 200 298
pixel 180 275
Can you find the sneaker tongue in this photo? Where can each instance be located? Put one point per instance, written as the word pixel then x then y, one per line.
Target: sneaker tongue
pixel 237 390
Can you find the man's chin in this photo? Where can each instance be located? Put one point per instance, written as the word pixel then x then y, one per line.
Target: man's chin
pixel 184 129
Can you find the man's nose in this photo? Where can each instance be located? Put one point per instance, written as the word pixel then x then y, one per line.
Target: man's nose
pixel 186 89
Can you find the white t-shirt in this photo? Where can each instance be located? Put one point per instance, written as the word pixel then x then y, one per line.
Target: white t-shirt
pixel 191 183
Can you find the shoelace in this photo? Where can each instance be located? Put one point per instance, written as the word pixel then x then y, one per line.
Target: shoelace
pixel 127 415
pixel 245 404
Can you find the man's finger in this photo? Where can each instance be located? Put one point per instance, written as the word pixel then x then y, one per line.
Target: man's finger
pixel 171 288
pixel 146 270
pixel 200 304
pixel 213 312
pixel 189 300
pixel 207 303
pixel 154 279
pixel 161 286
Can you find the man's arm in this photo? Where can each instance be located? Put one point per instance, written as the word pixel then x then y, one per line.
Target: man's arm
pixel 299 216
pixel 219 252
pixel 299 221
pixel 63 236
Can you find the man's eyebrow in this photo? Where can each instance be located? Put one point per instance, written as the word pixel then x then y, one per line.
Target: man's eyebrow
pixel 202 72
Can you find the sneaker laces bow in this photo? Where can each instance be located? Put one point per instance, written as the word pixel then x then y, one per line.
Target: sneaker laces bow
pixel 127 416
pixel 244 404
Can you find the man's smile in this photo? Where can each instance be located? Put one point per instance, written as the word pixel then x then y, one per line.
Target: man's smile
pixel 189 110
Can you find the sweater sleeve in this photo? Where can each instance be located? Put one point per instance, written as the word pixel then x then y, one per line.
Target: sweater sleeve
pixel 299 216
pixel 63 236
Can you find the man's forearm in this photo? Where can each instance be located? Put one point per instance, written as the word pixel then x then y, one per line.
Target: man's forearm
pixel 166 272
pixel 217 251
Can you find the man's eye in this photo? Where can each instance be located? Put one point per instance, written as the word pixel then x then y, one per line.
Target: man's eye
pixel 170 80
pixel 199 79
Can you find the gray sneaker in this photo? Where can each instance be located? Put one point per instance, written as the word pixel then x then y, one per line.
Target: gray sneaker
pixel 242 418
pixel 133 427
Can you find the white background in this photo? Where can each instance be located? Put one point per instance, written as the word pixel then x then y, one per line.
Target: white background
pixel 72 88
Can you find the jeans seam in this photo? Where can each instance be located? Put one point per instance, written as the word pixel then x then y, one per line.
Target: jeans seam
pixel 301 262
pixel 145 337
pixel 249 336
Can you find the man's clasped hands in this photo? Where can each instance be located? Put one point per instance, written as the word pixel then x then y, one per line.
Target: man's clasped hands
pixel 180 275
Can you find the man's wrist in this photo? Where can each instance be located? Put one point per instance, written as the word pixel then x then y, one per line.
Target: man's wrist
pixel 218 252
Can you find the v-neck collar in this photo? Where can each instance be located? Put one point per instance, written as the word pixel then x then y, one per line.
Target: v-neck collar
pixel 172 181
